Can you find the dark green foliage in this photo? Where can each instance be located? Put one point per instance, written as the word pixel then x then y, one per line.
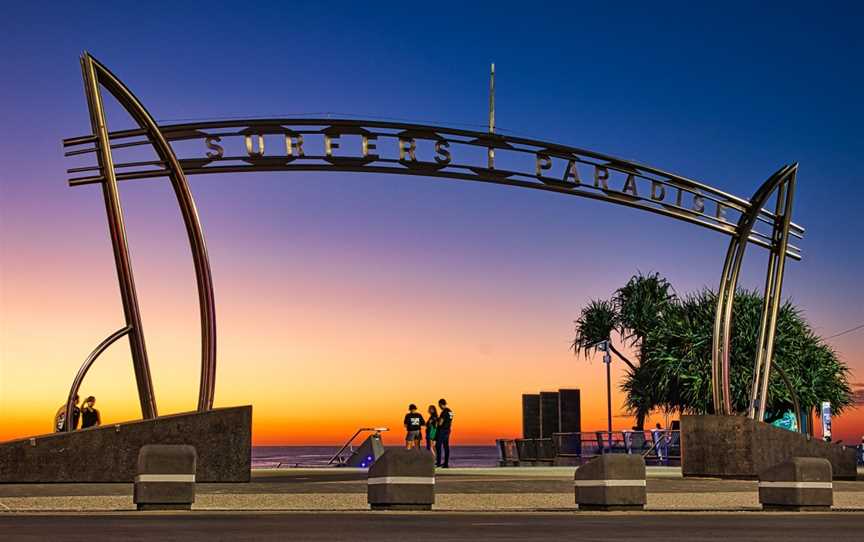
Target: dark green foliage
pixel 674 341
pixel 594 325
pixel 677 359
pixel 636 308
pixel 641 303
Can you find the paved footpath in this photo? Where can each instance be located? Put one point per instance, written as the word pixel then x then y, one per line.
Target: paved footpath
pixel 440 526
pixel 492 489
pixel 471 504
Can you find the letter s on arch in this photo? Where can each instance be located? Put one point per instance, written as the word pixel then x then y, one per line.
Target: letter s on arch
pixel 212 143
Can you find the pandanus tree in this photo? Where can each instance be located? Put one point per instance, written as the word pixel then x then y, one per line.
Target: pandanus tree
pixel 672 340
pixel 634 310
pixel 676 371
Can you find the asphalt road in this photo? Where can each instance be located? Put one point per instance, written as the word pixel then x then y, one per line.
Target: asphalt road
pixel 472 527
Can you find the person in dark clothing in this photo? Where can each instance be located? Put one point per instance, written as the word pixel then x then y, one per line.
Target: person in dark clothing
pixel 431 427
pixel 442 442
pixel 90 417
pixel 413 427
pixel 60 417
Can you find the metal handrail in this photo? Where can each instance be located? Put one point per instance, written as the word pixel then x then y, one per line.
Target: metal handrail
pixel 620 442
pixel 82 372
pixel 338 455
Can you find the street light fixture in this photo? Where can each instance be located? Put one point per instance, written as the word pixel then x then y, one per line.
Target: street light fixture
pixel 607 359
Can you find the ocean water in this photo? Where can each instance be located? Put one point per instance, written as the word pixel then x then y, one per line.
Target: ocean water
pixel 318 456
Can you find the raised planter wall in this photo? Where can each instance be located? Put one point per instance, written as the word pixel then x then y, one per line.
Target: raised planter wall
pixel 738 447
pixel 222 438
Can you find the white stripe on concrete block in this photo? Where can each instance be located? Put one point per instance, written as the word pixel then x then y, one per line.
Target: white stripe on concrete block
pixel 796 485
pixel 424 480
pixel 609 483
pixel 165 478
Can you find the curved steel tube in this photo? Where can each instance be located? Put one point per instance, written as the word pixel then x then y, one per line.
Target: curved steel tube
pixel 752 211
pixel 193 130
pixel 720 361
pixel 774 287
pixel 190 131
pixel 82 372
pixel 203 276
pixel 119 242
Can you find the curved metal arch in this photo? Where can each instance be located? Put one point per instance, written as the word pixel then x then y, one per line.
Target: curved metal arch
pixel 488 174
pixel 751 211
pixel 97 74
pixel 85 367
pixel 783 181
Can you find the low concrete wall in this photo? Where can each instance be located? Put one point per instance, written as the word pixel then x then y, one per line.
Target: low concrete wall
pixel 222 438
pixel 737 447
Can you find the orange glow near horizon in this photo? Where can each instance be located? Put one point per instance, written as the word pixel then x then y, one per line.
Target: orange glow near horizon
pixel 341 297
pixel 322 329
pixel 320 345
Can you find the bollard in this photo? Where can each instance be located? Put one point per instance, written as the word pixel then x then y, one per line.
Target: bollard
pixel 803 483
pixel 611 482
pixel 166 477
pixel 402 480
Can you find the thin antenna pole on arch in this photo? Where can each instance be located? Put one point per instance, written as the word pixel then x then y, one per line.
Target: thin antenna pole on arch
pixel 492 99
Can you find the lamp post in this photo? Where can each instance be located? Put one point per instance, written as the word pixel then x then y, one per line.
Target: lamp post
pixel 607 359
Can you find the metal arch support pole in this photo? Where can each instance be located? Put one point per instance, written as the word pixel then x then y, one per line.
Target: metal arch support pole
pixel 716 340
pixel 721 340
pixel 767 303
pixel 781 234
pixel 82 372
pixel 738 247
pixel 191 220
pixel 117 228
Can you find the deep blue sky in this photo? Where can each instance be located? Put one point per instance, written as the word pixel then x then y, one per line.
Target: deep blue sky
pixel 724 93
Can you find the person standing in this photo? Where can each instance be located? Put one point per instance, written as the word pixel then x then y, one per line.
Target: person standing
pixel 90 417
pixel 659 438
pixel 60 417
pixel 442 440
pixel 861 452
pixel 431 427
pixel 413 426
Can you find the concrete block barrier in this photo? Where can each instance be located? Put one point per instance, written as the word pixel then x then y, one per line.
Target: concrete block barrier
pixel 611 482
pixel 402 480
pixel 166 477
pixel 802 483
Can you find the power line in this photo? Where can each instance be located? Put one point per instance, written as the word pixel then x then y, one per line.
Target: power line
pixel 856 328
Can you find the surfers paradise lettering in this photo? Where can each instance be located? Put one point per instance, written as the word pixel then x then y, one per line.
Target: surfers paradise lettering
pixel 559 168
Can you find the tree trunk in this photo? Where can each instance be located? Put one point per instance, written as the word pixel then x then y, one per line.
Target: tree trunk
pixel 640 421
pixel 620 355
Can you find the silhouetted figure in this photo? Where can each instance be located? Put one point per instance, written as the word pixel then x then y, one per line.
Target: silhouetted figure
pixel 413 427
pixel 442 441
pixel 658 435
pixel 431 427
pixel 89 415
pixel 60 417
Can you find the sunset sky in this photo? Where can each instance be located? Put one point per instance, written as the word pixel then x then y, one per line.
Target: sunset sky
pixel 341 297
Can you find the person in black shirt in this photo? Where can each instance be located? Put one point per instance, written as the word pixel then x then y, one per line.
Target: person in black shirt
pixel 413 424
pixel 90 417
pixel 442 442
pixel 60 417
